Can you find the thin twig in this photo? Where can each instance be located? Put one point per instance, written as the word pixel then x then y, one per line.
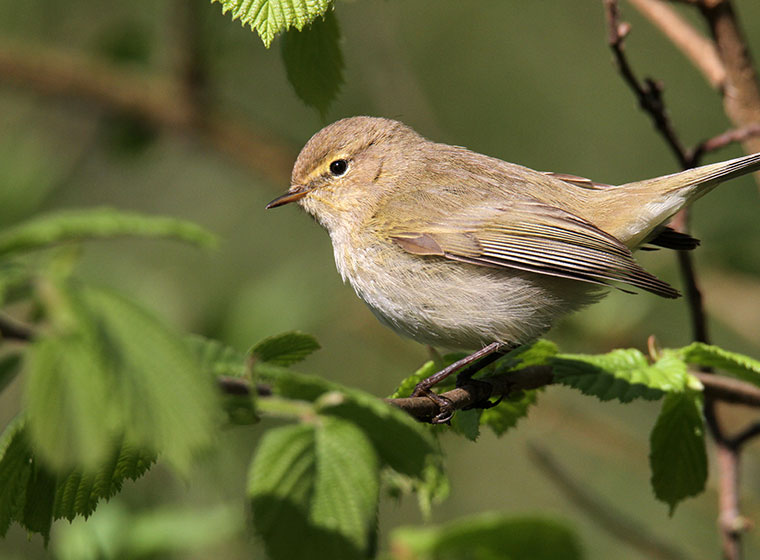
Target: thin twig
pixel 603 515
pixel 13 330
pixel 700 50
pixel 742 103
pixel 648 93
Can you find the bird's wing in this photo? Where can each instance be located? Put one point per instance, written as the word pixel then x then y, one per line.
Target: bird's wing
pixel 517 233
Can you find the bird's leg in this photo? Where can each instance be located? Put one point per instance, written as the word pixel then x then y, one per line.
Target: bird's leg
pixel 489 354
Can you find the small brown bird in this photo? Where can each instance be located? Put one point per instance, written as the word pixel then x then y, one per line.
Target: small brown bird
pixel 457 249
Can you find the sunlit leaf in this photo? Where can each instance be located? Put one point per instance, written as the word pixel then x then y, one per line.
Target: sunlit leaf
pixel 285 349
pixel 737 365
pixel 623 374
pixel 270 17
pixel 76 225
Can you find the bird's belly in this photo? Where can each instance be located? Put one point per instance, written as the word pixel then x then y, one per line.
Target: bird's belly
pixel 447 303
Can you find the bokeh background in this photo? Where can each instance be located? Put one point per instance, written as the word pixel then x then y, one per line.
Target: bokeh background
pixel 530 82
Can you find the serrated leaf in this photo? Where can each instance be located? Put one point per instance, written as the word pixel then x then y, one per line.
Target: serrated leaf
pixel 508 412
pixel 401 442
pixel 622 374
pixel 488 537
pixel 318 481
pixel 166 403
pixel 77 225
pixel 678 459
pixel 737 365
pixel 270 17
pixel 285 349
pixel 314 62
pixel 15 470
pixel 535 354
pixel 72 417
pixel 78 492
pixel 217 358
pixel 108 369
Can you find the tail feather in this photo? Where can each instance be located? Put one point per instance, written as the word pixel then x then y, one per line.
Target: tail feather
pixel 704 178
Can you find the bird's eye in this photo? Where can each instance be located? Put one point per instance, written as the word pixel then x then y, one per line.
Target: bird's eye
pixel 339 167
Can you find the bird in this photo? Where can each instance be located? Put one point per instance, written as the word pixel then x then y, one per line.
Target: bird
pixel 460 250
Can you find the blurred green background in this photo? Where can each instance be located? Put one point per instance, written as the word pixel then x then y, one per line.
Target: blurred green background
pixel 530 82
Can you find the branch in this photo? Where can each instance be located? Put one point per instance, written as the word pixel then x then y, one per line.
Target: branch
pixel 162 103
pixel 12 330
pixel 648 93
pixel 603 515
pixel 720 388
pixel 741 94
pixel 695 46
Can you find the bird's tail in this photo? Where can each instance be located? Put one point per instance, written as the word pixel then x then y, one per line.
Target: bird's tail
pixel 660 198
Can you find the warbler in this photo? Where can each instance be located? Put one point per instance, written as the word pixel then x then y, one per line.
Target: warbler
pixel 461 250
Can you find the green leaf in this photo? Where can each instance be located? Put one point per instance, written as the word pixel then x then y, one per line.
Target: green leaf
pixel 73 419
pixel 426 370
pixel 285 349
pixel 314 491
pixel 217 358
pixel 33 496
pixel 78 492
pixel 121 531
pixel 401 442
pixel 270 17
pixel 622 374
pixel 488 537
pixel 678 458
pixel 108 369
pixel 536 354
pixel 737 365
pixel 467 423
pixel 15 471
pixel 166 403
pixel 77 225
pixel 314 61
pixel 506 414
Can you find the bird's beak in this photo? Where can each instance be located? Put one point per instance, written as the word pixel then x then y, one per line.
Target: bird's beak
pixel 295 192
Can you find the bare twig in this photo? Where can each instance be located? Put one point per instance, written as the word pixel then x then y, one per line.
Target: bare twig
pixel 13 330
pixel 603 515
pixel 648 93
pixel 741 96
pixel 700 51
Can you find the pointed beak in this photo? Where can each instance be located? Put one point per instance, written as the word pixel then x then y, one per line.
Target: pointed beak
pixel 296 192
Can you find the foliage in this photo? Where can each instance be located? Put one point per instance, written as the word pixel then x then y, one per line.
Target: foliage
pixel 270 17
pixel 109 390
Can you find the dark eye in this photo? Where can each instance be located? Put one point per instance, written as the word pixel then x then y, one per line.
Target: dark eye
pixel 339 167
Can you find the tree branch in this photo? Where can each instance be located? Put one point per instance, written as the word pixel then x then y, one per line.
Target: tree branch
pixel 13 330
pixel 603 515
pixel 160 102
pixel 700 51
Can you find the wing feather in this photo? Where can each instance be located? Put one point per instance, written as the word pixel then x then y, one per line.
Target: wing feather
pixel 523 234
